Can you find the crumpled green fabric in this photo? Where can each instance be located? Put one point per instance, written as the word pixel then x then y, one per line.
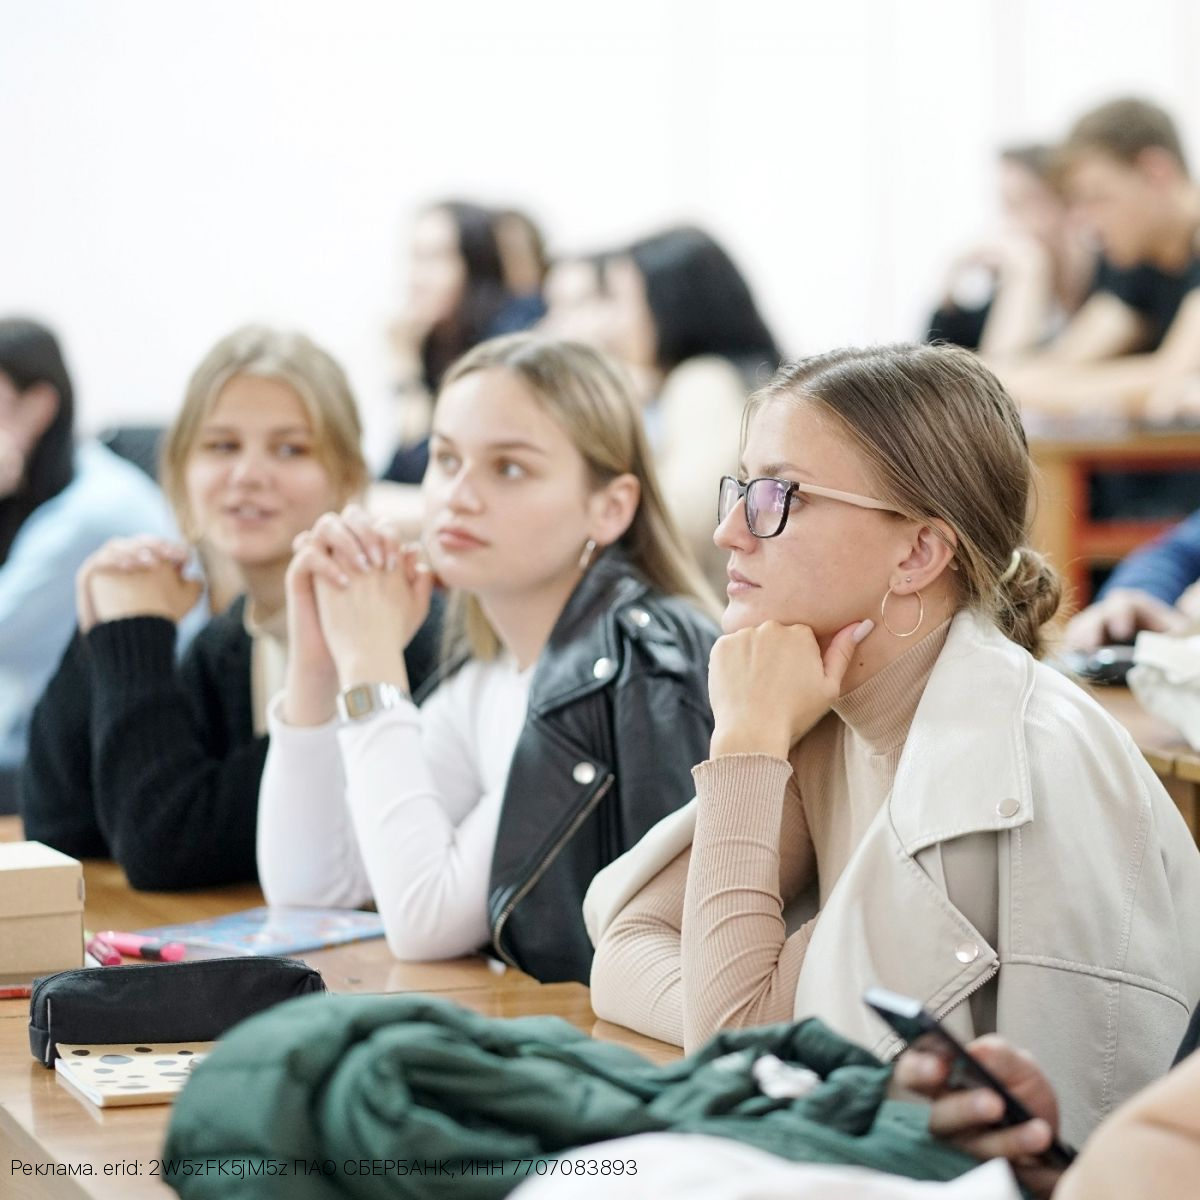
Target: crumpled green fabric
pixel 335 1080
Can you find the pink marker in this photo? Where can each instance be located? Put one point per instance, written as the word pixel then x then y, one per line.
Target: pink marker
pixel 103 953
pixel 133 945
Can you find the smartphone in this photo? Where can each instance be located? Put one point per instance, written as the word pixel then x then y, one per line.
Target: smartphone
pixel 1108 665
pixel 916 1026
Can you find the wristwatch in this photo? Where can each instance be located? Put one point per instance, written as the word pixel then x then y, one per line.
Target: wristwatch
pixel 364 700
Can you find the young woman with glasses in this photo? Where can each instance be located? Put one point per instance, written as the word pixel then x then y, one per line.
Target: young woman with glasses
pixel 576 702
pixel 898 793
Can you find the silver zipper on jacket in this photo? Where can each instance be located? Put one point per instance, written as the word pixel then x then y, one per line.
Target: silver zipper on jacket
pixel 979 983
pixel 892 1045
pixel 542 867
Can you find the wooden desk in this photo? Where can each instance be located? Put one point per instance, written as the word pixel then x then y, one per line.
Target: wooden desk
pixel 41 1122
pixel 1062 527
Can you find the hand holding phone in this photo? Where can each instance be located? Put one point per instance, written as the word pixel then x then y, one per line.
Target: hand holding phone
pixel 921 1031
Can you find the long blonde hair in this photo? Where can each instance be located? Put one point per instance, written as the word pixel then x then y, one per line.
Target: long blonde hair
pixel 943 441
pixel 290 357
pixel 585 392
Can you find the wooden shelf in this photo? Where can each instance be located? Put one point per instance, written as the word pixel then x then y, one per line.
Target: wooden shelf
pixel 1062 527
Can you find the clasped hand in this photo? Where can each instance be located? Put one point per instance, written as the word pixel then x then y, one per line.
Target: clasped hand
pixel 356 596
pixel 770 684
pixel 134 577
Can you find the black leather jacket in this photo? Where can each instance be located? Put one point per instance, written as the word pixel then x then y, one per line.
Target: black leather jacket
pixel 618 715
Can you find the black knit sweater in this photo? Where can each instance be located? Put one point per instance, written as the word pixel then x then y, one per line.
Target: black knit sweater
pixel 156 765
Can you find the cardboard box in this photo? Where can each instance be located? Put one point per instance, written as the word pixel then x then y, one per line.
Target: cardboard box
pixel 41 910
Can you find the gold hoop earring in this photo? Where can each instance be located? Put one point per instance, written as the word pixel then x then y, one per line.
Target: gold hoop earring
pixel 883 615
pixel 585 559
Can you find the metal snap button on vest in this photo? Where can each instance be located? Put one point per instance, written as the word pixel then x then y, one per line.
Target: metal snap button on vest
pixel 1008 806
pixel 640 617
pixel 966 952
pixel 602 668
pixel 584 772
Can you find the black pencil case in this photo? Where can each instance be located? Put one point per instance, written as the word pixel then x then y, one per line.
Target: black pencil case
pixel 163 1002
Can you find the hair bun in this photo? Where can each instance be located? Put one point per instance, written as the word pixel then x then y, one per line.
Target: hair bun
pixel 1029 595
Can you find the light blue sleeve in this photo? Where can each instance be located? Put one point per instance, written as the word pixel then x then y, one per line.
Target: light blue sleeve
pixel 108 498
pixel 1166 567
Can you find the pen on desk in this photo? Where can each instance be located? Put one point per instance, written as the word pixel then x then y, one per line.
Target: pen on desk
pixel 134 945
pixel 104 953
pixel 16 991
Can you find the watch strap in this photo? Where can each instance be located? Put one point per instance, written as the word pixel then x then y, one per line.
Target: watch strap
pixel 364 700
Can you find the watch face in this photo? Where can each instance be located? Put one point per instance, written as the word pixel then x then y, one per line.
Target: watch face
pixel 365 699
pixel 359 702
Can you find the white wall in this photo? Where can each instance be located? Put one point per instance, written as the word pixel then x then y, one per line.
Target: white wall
pixel 170 170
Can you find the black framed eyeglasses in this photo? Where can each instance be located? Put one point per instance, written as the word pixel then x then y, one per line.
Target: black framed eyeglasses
pixel 769 500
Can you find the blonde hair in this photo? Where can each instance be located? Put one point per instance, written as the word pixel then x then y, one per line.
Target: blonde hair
pixel 290 358
pixel 943 441
pixel 584 391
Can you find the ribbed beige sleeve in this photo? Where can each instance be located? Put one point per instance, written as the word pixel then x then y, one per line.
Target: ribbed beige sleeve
pixel 751 852
pixel 702 946
pixel 636 979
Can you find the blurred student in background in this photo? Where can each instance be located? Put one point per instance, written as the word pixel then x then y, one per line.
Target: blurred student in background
pixel 462 259
pixel 1012 292
pixel 681 317
pixel 1137 335
pixel 575 291
pixel 524 264
pixel 1146 591
pixel 59 501
pixel 157 765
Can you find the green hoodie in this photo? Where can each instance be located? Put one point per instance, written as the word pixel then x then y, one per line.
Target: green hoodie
pixel 409 1095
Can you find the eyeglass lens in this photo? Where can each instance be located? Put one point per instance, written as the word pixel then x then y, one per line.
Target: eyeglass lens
pixel 766 504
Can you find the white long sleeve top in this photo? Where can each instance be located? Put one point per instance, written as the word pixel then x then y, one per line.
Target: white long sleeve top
pixel 402 807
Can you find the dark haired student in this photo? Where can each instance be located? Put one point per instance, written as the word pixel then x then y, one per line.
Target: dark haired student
pixel 460 292
pixel 59 501
pixel 681 317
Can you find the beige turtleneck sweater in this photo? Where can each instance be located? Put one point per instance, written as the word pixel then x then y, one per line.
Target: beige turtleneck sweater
pixel 704 947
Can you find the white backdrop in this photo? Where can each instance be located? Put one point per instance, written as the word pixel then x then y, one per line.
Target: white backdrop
pixel 170 170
